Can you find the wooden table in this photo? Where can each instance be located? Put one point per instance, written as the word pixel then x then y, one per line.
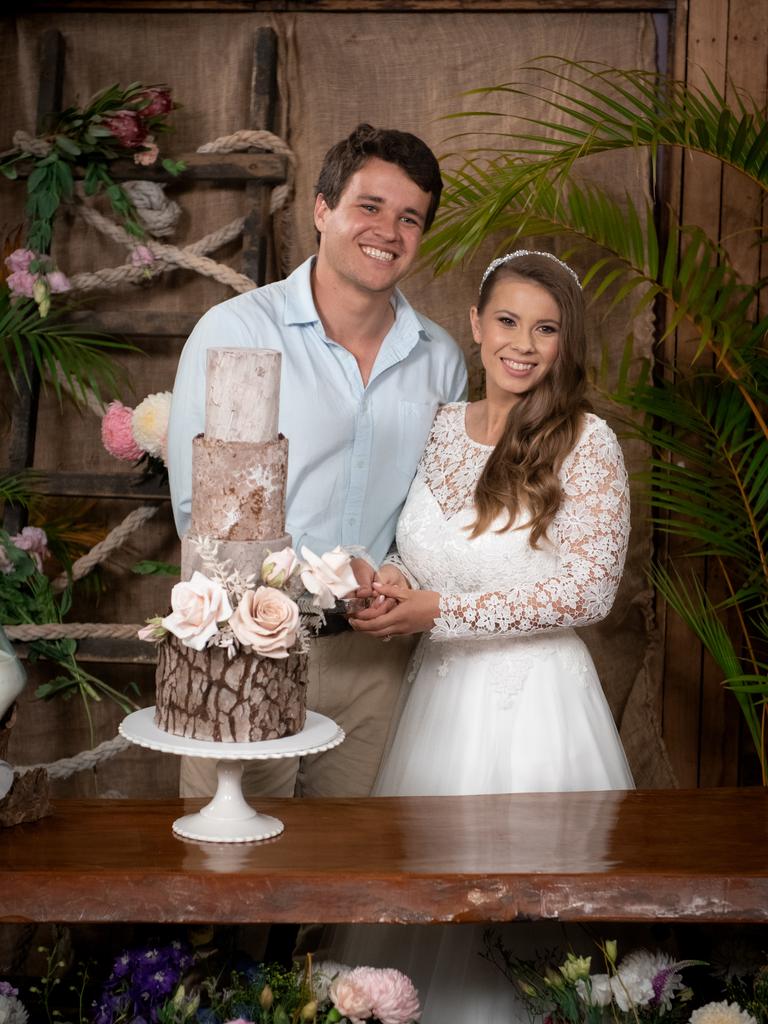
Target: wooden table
pixel 699 855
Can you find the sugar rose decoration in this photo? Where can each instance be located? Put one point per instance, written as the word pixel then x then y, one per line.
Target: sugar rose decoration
pixel 267 621
pixel 278 567
pixel 198 604
pixel 327 577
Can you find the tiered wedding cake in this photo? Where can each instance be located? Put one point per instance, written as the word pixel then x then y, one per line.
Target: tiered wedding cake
pixel 239 469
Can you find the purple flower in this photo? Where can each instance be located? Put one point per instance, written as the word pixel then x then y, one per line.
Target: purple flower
pixel 6 989
pixel 19 260
pixel 33 540
pixel 57 281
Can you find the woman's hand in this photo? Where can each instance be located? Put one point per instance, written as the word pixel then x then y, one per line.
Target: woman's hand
pixel 379 605
pixel 414 612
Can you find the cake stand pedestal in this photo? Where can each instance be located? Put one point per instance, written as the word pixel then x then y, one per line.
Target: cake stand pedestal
pixel 229 818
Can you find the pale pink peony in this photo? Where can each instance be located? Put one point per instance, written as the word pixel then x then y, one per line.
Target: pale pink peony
pixel 328 577
pixel 58 281
pixel 350 995
pixel 19 260
pixel 127 127
pixel 278 567
pixel 147 156
pixel 160 101
pixel 117 434
pixel 267 621
pixel 21 282
pixel 393 998
pixel 149 423
pixel 199 605
pixel 34 541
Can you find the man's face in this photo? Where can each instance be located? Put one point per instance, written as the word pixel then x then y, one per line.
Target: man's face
pixel 371 237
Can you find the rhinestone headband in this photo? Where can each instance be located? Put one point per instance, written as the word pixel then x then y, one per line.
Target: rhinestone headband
pixel 501 260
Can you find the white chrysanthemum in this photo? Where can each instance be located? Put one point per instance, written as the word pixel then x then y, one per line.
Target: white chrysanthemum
pixel 149 423
pixel 660 969
pixel 12 1011
pixel 721 1013
pixel 323 974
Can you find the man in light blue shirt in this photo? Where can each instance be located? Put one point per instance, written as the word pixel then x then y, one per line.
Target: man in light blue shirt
pixel 362 376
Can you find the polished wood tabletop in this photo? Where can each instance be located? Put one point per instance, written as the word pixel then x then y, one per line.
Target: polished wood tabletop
pixel 687 855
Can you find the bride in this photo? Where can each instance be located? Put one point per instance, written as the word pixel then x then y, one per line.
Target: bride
pixel 514 532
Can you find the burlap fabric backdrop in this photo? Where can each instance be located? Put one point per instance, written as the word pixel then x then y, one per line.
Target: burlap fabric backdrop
pixel 399 70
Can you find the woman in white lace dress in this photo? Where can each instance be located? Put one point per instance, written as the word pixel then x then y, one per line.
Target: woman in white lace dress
pixel 514 532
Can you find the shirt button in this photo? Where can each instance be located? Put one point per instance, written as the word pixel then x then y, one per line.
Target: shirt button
pixel 360 463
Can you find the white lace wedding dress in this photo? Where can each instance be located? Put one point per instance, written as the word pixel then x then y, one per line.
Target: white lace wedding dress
pixel 504 695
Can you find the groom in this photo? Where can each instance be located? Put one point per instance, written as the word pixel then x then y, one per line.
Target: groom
pixel 362 376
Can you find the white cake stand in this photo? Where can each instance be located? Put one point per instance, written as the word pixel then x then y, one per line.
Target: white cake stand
pixel 228 818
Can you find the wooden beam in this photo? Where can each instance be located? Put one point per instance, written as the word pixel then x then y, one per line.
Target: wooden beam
pixel 351 6
pixel 98 485
pixel 146 323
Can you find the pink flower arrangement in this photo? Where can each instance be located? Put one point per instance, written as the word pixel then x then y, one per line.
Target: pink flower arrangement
pixel 117 433
pixel 160 101
pixel 36 284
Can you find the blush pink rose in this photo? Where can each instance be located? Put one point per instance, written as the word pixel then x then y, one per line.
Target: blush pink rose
pixel 58 281
pixel 127 127
pixel 117 433
pixel 328 577
pixel 147 156
pixel 278 567
pixel 199 605
pixel 267 621
pixel 350 996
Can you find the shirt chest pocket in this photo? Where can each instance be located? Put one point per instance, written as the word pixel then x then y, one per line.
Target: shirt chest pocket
pixel 414 424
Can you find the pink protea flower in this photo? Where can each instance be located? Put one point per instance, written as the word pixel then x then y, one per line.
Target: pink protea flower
pixel 393 997
pixel 19 260
pixel 21 282
pixel 58 281
pixel 127 127
pixel 33 540
pixel 117 435
pixel 160 101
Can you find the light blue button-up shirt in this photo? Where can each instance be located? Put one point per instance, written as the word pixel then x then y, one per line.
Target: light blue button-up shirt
pixel 352 450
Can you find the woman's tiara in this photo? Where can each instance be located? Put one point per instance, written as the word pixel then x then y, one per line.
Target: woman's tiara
pixel 501 260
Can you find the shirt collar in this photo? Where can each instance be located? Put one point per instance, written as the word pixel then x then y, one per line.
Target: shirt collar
pixel 300 309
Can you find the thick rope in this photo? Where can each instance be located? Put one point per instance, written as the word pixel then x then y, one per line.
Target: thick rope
pixel 31 144
pixel 155 210
pixel 246 139
pixel 101 551
pixel 187 258
pixel 66 766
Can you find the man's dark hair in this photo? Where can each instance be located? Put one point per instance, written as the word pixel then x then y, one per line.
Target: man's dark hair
pixel 401 148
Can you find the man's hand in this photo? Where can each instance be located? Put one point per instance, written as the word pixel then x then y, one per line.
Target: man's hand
pixel 414 611
pixel 364 574
pixel 391 576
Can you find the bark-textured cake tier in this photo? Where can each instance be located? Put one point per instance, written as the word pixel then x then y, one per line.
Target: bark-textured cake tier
pixel 247 556
pixel 205 695
pixel 238 489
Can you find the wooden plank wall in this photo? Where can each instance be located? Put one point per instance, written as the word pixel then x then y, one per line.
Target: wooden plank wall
pixel 726 40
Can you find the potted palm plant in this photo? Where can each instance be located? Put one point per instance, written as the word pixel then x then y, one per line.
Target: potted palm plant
pixel 707 421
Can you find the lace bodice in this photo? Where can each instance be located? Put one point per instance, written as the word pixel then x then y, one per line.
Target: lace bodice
pixel 497 584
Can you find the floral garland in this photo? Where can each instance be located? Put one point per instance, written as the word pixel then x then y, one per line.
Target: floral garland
pixel 269 615
pixel 80 143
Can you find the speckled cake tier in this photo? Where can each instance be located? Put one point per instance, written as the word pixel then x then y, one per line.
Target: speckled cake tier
pixel 205 695
pixel 238 489
pixel 247 556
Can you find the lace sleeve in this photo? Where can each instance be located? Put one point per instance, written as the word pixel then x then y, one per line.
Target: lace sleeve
pixel 393 558
pixel 590 534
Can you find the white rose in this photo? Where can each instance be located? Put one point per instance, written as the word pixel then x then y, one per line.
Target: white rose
pixel 328 577
pixel 149 423
pixel 278 567
pixel 266 620
pixel 198 606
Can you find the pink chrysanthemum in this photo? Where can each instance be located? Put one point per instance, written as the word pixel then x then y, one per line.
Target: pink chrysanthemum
pixel 349 994
pixel 393 997
pixel 117 434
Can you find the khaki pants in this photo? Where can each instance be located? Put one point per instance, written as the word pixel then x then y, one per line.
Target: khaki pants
pixel 356 681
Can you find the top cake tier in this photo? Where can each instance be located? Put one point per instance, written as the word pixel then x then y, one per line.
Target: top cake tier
pixel 243 394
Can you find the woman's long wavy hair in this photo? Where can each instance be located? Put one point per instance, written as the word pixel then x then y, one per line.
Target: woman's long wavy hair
pixel 543 426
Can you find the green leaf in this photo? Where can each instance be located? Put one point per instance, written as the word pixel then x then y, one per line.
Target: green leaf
pixel 150 568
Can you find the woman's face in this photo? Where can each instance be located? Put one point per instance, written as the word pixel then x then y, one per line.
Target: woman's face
pixel 519 337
